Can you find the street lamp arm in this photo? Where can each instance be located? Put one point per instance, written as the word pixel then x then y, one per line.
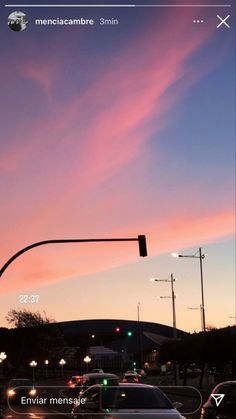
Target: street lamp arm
pixel 188 256
pixel 193 256
pixel 161 280
pixel 140 238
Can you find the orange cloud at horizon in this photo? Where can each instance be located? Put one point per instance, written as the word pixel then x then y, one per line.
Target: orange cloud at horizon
pixel 53 263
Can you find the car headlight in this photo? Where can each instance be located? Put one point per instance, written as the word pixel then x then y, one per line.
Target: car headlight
pixel 11 392
pixel 32 392
pixel 202 413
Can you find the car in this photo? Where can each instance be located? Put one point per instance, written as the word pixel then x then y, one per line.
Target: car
pixel 224 409
pixel 141 372
pixel 74 380
pixel 87 380
pixel 131 372
pixel 130 377
pixel 125 401
pixel 97 370
pixel 19 387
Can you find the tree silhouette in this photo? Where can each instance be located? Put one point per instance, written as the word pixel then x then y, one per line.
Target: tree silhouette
pixel 26 318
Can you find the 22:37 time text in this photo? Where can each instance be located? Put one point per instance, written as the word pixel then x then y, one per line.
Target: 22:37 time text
pixel 25 298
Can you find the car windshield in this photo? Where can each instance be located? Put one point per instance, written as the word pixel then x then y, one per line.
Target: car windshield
pixel 102 380
pixel 134 398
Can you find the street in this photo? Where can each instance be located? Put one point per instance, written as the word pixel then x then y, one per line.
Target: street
pixel 57 400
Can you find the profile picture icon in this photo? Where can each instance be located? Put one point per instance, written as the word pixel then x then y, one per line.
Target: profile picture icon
pixel 17 21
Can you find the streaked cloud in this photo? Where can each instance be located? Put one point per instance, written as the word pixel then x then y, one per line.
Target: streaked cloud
pixel 72 173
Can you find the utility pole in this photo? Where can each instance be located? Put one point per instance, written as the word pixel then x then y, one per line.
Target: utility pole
pixel 140 337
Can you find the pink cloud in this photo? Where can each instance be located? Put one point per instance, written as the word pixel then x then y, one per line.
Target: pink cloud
pixel 129 93
pixel 41 73
pixel 96 136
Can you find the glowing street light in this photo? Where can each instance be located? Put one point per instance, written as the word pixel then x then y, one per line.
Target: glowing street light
pixel 87 361
pixel 198 255
pixel 46 362
pixel 33 364
pixel 3 356
pixel 175 255
pixel 62 363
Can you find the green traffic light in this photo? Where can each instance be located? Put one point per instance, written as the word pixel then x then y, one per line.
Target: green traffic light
pixel 129 334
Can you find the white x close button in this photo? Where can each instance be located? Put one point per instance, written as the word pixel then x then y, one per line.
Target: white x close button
pixel 223 21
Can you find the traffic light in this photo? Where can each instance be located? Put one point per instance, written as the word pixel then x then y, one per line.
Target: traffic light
pixel 117 330
pixel 142 245
pixel 129 333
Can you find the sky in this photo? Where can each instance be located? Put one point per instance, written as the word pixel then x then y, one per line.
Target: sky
pixel 113 132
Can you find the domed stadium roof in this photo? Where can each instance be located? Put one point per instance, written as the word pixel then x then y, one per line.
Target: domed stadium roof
pixel 117 333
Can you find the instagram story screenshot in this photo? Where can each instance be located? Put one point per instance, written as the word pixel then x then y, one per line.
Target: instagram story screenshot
pixel 117 161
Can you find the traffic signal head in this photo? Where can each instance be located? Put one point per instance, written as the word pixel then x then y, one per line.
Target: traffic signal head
pixel 129 333
pixel 117 330
pixel 142 245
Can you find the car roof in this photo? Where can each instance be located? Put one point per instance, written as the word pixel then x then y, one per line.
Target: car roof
pixel 14 381
pixel 226 382
pixel 126 385
pixel 216 389
pixel 100 375
pixel 130 373
pixel 138 385
pixel 222 384
pixel 20 379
